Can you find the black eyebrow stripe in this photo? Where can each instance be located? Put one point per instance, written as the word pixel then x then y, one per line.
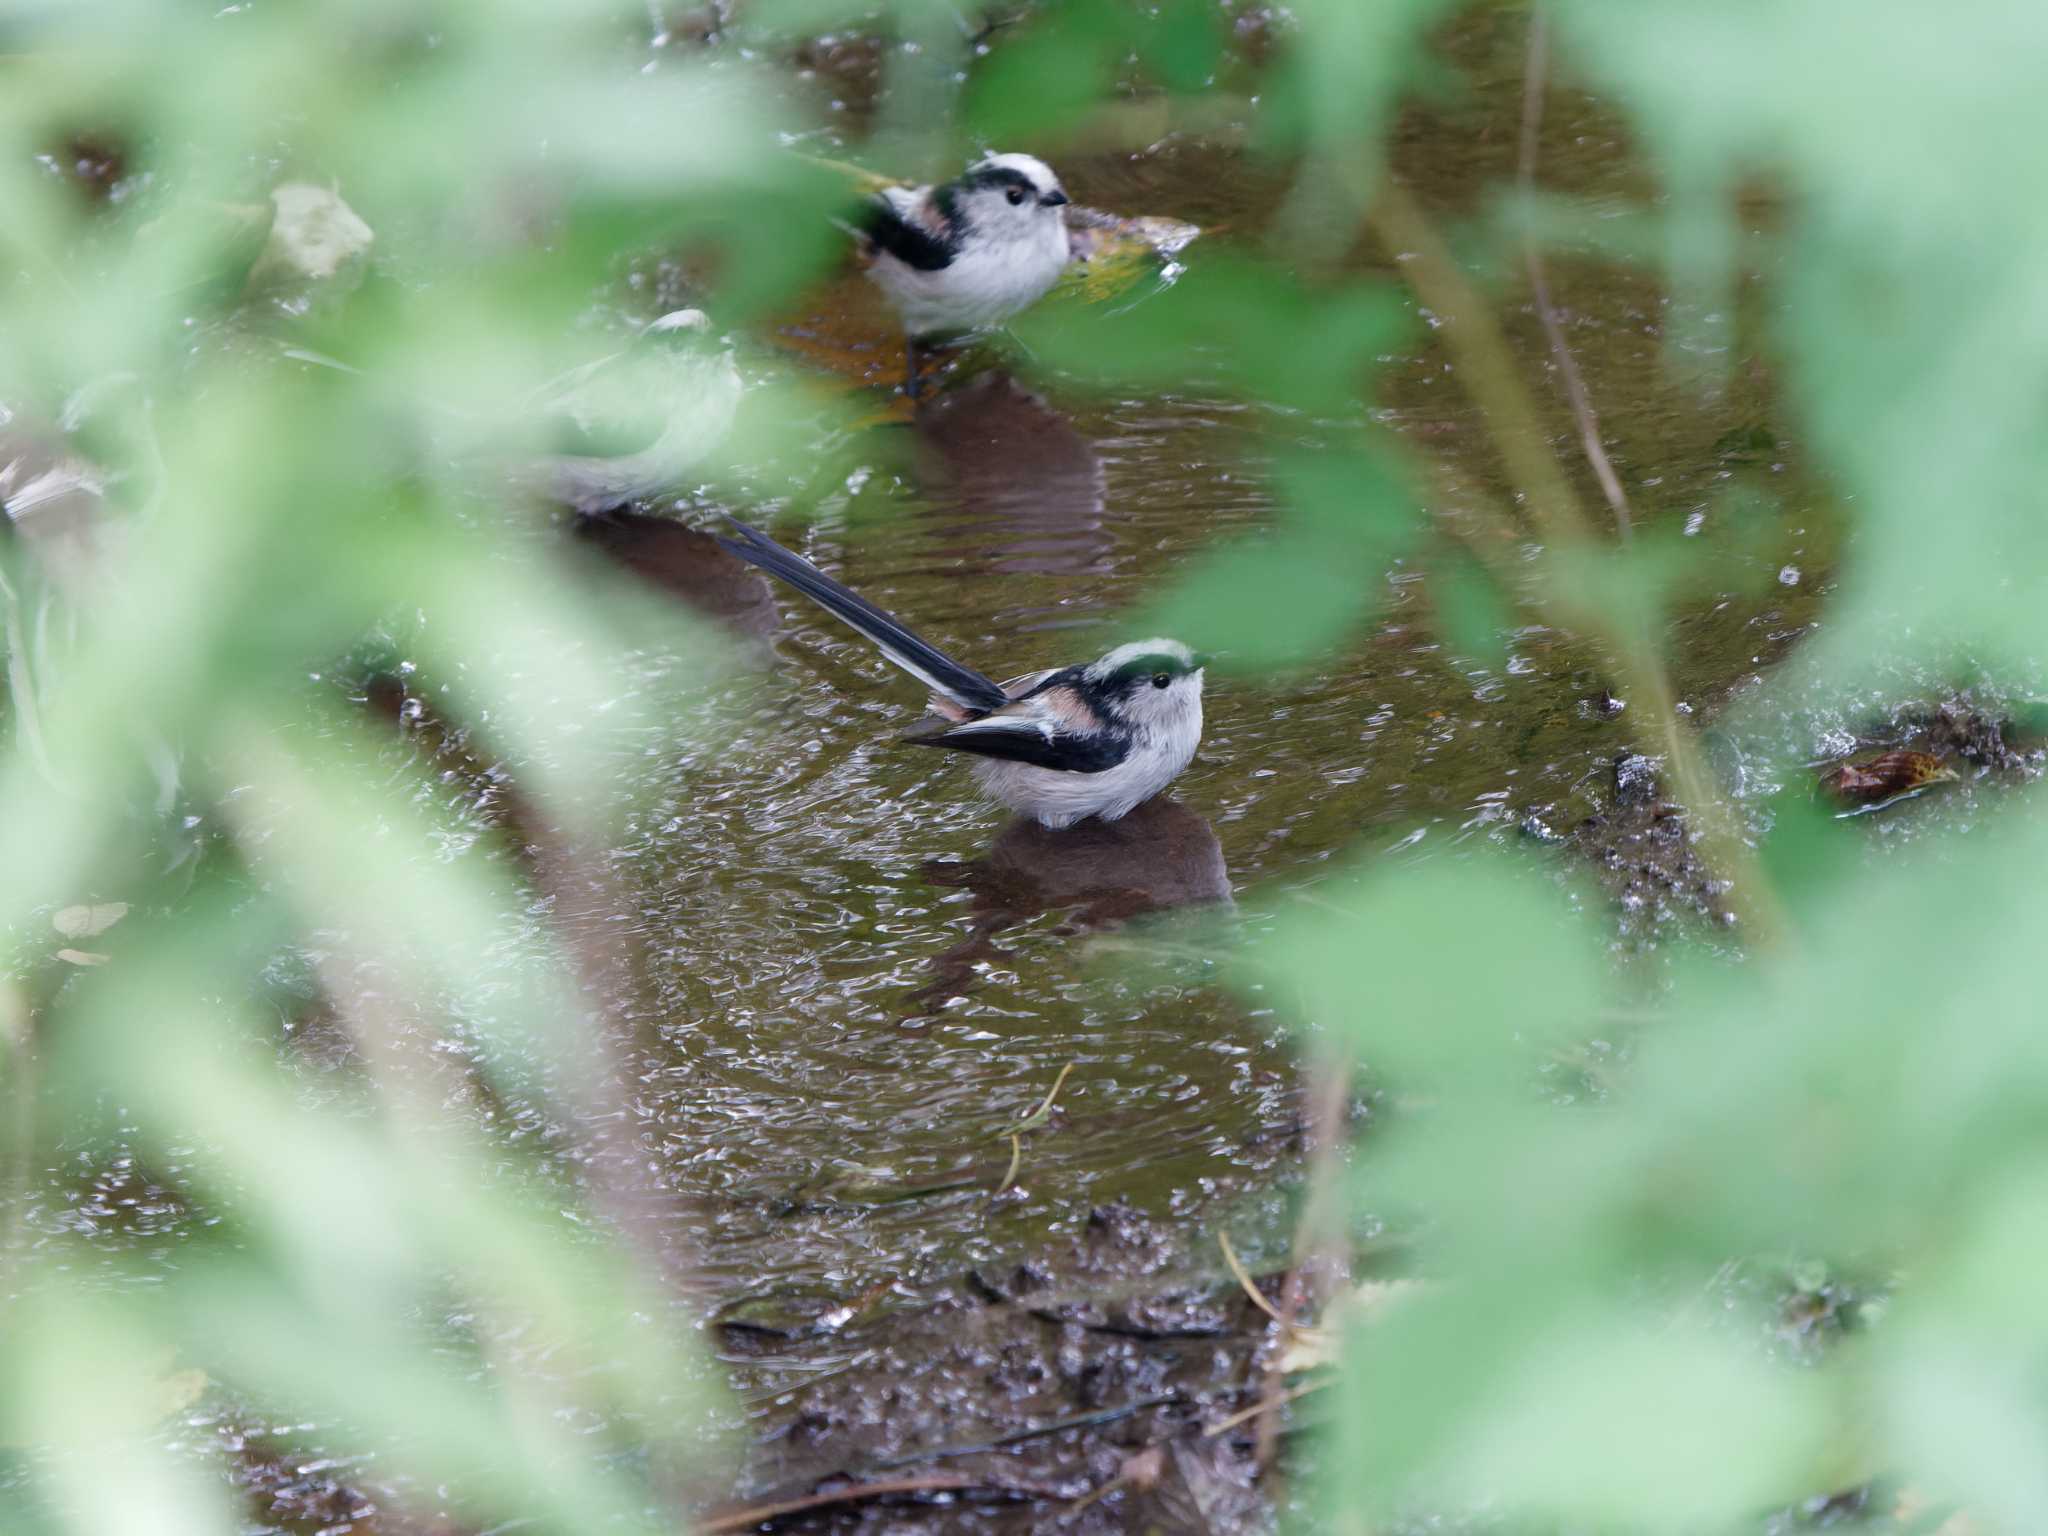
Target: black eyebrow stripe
pixel 1158 661
pixel 1000 176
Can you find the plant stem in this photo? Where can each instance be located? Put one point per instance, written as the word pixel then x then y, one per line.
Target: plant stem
pixel 1487 370
pixel 1575 391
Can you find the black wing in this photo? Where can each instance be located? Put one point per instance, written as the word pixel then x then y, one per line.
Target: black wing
pixel 1024 739
pixel 920 658
pixel 905 239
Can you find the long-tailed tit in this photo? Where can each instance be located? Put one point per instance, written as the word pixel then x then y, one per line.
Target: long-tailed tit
pixel 1094 739
pixel 969 253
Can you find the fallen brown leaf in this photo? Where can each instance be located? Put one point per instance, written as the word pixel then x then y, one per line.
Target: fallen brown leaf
pixel 1885 778
pixel 86 922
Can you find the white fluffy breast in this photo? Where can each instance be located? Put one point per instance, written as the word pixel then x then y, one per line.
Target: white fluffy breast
pixel 985 285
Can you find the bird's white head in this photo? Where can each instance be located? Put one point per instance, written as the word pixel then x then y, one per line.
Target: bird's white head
pixel 1016 195
pixel 1151 684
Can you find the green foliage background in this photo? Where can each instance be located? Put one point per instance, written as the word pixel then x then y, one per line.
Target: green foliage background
pixel 1863 1092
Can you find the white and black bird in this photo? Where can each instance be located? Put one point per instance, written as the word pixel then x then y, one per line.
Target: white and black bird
pixel 1059 745
pixel 970 253
pixel 636 422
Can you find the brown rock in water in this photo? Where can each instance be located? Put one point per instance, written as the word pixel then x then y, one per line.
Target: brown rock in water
pixel 1885 778
pixel 94 163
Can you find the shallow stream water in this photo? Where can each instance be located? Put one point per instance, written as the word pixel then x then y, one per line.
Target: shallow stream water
pixel 859 975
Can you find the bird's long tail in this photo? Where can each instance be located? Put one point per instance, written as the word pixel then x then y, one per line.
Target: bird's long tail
pixel 920 658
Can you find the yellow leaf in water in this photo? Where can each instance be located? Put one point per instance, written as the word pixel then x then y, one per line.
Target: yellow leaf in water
pixel 165 1391
pixel 82 957
pixel 86 922
pixel 177 1390
pixel 1892 776
pixel 863 180
pixel 1110 253
pixel 1308 1349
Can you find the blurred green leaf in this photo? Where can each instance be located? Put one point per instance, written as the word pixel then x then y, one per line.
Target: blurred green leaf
pixel 1691 1431
pixel 1052 72
pixel 1472 614
pixel 1284 597
pixel 1374 961
pixel 1184 43
pixel 1238 326
pixel 1911 265
pixel 303 475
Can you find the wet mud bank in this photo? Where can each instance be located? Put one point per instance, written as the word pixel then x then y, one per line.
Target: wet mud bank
pixel 1082 1385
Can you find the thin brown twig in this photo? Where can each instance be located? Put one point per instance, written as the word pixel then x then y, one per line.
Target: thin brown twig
pixel 1095 1496
pixel 1140 1470
pixel 1316 1237
pixel 939 1482
pixel 1090 1420
pixel 1045 1104
pixel 1016 1161
pixel 1267 1405
pixel 1486 368
pixel 1244 1279
pixel 1575 391
pixel 1481 352
pixel 1032 1121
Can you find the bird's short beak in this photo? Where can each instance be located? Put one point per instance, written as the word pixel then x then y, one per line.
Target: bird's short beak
pixel 1053 199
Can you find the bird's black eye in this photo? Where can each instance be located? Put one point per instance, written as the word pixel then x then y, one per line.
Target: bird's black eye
pixel 1015 195
pixel 1161 679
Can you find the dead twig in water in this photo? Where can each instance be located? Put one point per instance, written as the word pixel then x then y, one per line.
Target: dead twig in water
pixel 1539 280
pixel 1244 1279
pixel 1267 1405
pixel 1016 1161
pixel 1040 1115
pixel 1140 1470
pixel 1486 368
pixel 1058 1426
pixel 1031 1122
pixel 1315 1235
pixel 761 1514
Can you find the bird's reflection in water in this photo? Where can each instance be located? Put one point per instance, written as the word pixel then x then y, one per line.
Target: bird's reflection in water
pixel 1012 479
pixel 1162 855
pixel 687 565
